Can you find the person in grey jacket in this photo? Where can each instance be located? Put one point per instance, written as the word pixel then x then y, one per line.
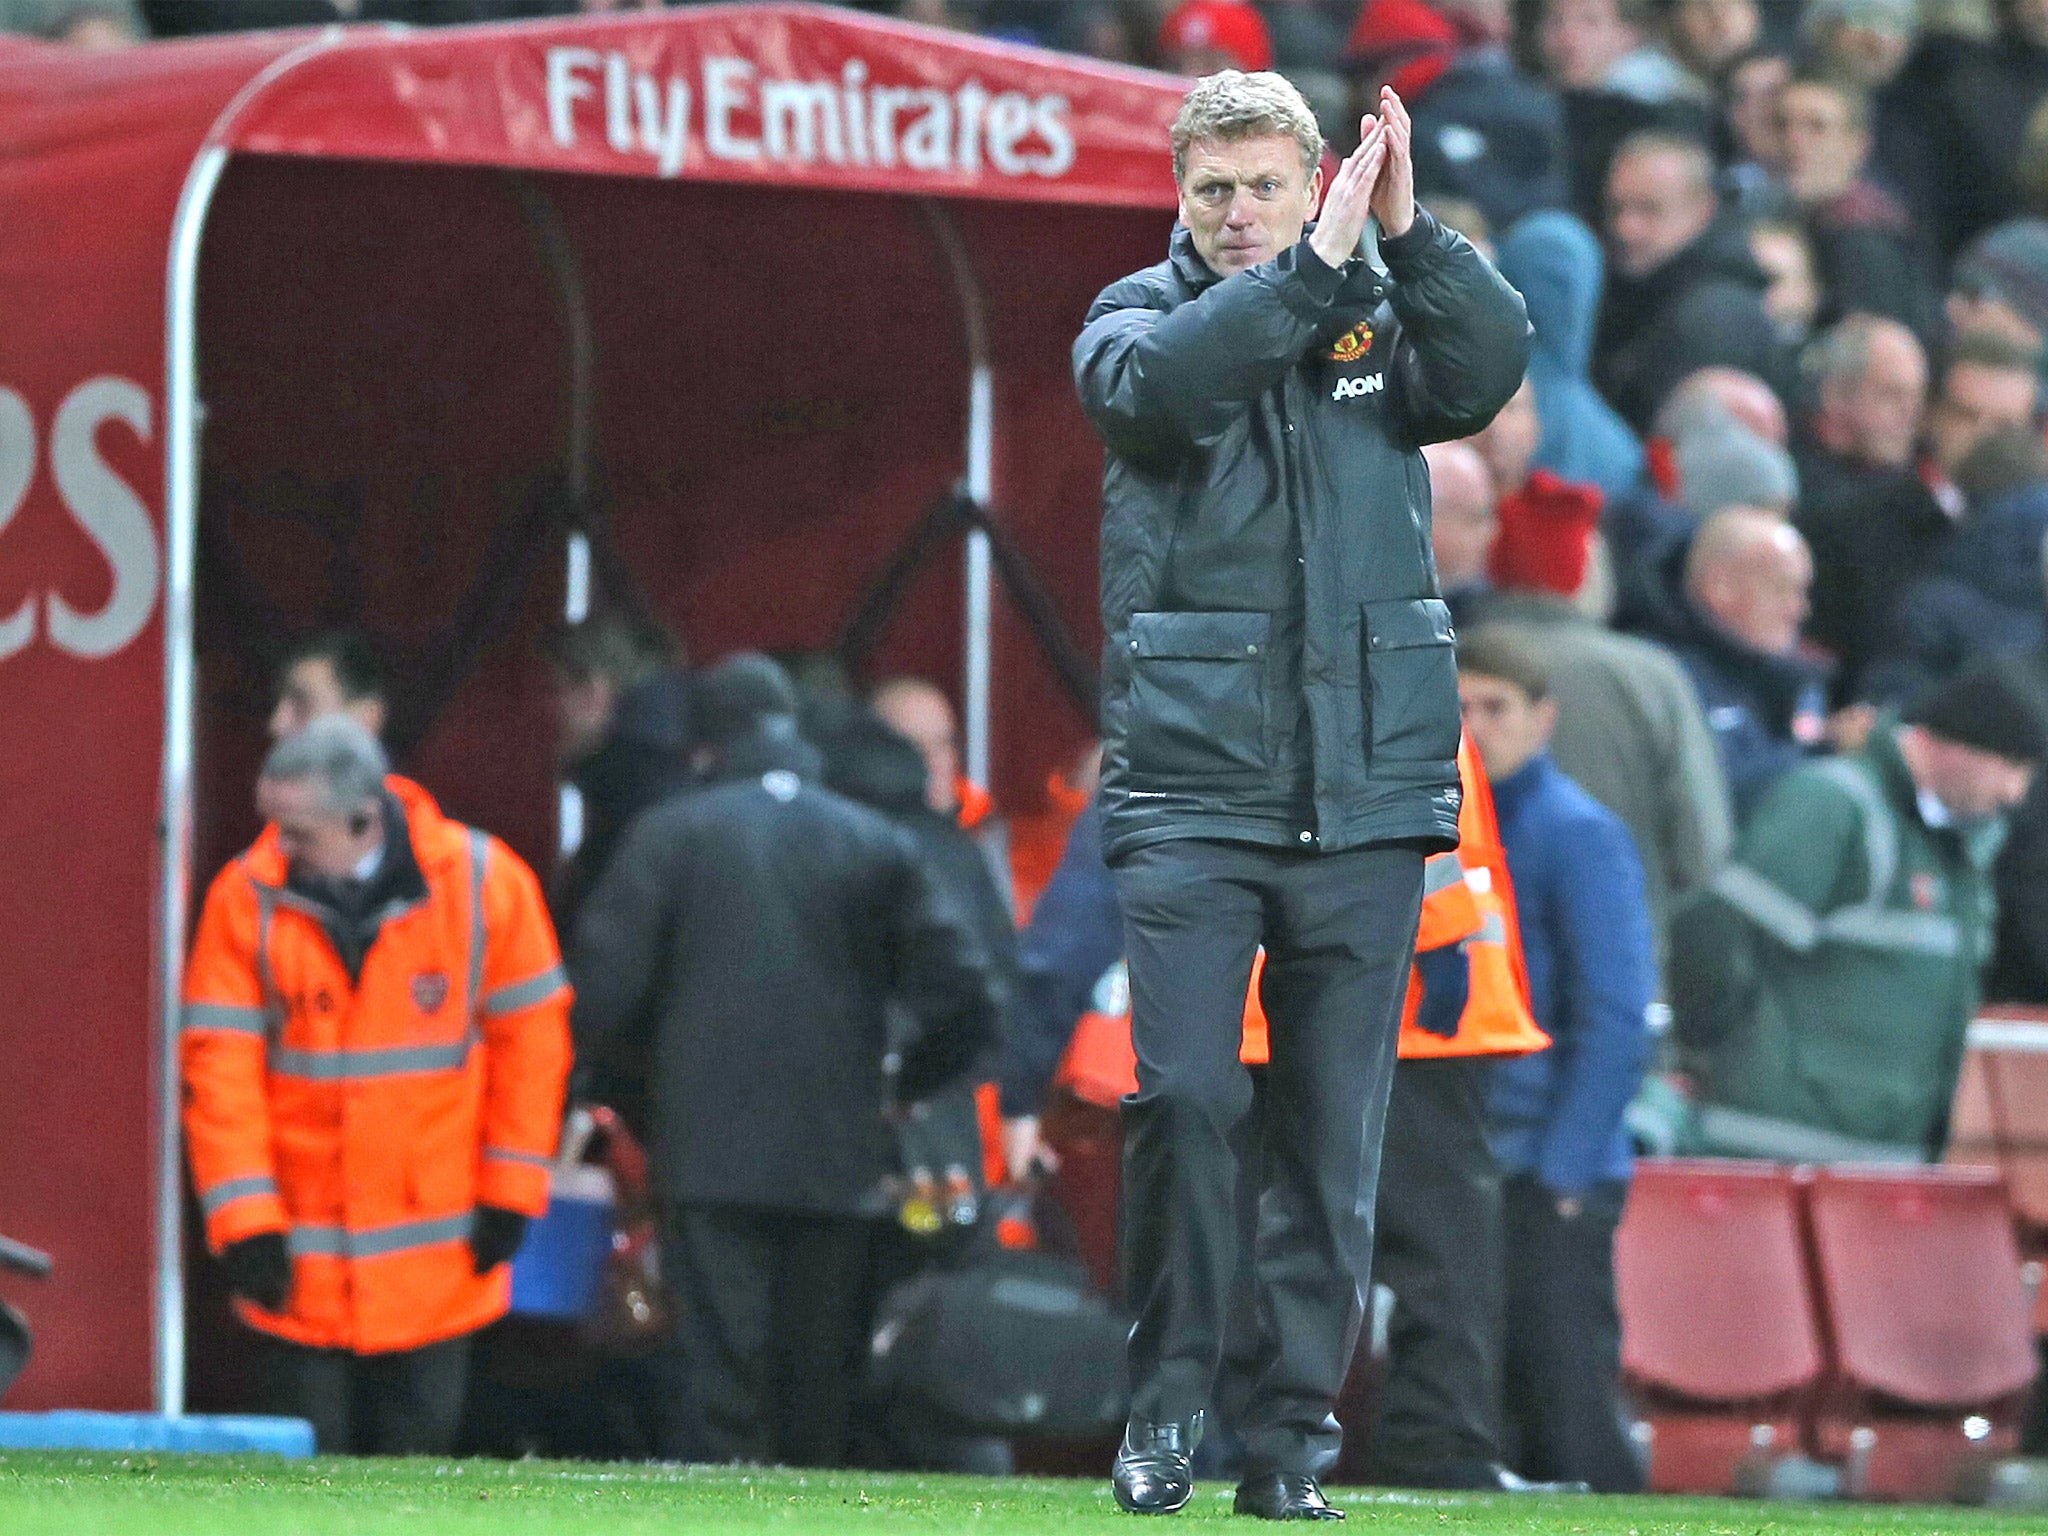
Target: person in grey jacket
pixel 1280 729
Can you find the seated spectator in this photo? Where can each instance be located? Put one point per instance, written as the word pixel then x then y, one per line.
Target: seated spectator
pixel 1868 381
pixel 1462 523
pixel 1612 81
pixel 1792 298
pixel 1730 606
pixel 1629 727
pixel 1985 597
pixel 1483 130
pixel 1555 261
pixel 1555 1118
pixel 1752 137
pixel 2000 284
pixel 1870 258
pixel 1973 103
pixel 1200 37
pixel 1878 535
pixel 89 25
pixel 1540 505
pixel 1868 44
pixel 1824 984
pixel 1685 292
pixel 1706 36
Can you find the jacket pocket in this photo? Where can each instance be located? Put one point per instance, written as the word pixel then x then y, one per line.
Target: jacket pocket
pixel 1411 672
pixel 1198 694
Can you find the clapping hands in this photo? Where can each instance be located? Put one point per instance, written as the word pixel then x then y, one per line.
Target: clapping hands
pixel 1378 178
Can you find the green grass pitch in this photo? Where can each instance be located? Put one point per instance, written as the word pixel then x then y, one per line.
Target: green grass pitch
pixel 62 1494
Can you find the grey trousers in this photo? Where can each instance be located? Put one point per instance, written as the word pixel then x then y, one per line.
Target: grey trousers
pixel 1339 933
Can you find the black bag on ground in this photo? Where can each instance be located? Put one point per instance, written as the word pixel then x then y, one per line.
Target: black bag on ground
pixel 1011 1343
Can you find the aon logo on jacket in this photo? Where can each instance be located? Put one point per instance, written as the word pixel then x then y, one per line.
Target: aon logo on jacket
pixel 1370 384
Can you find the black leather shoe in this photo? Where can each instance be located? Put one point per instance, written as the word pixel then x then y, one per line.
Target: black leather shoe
pixel 1154 1472
pixel 1284 1496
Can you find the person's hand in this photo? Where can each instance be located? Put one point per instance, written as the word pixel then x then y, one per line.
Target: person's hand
pixel 1025 1151
pixel 495 1238
pixel 1393 193
pixel 1348 203
pixel 1446 988
pixel 1849 728
pixel 259 1269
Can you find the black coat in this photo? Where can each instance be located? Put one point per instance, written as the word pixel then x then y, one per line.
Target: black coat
pixel 644 758
pixel 1872 532
pixel 1703 307
pixel 762 930
pixel 1279 664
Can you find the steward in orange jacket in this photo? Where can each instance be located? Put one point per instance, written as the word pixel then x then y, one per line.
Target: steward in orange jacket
pixel 374 1068
pixel 1468 901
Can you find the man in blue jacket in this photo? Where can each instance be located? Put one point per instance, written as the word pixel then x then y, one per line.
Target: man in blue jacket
pixel 1557 1116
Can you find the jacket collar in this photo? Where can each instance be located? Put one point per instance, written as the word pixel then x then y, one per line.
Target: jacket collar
pixel 1187 263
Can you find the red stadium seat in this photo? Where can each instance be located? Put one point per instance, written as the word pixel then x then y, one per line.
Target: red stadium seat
pixel 1925 1306
pixel 2014 1049
pixel 1721 1349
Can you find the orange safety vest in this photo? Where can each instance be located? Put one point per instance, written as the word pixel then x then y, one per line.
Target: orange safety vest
pixel 367 1120
pixel 1467 897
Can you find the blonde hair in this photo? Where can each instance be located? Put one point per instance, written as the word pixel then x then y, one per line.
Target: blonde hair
pixel 1231 104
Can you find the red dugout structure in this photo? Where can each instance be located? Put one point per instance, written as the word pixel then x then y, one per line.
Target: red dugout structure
pixel 412 330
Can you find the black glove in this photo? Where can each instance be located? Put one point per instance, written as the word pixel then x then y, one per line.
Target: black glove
pixel 495 1238
pixel 1446 988
pixel 260 1270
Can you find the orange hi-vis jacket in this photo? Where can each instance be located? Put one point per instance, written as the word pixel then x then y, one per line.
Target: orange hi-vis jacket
pixel 367 1120
pixel 1467 898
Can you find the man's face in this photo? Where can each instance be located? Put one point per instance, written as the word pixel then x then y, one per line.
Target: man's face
pixel 315 837
pixel 2028 20
pixel 310 691
pixel 1976 400
pixel 1582 40
pixel 1879 411
pixel 1973 784
pixel 1505 724
pixel 1508 442
pixel 923 717
pixel 1761 599
pixel 583 714
pixel 1869 56
pixel 1753 90
pixel 1246 200
pixel 1708 33
pixel 1824 145
pixel 1655 209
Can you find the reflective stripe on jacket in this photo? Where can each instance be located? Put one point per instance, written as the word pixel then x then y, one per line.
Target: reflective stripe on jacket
pixel 1467 898
pixel 367 1120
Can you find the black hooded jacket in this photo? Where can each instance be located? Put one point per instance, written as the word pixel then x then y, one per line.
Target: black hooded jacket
pixel 1703 307
pixel 1279 665
pixel 761 931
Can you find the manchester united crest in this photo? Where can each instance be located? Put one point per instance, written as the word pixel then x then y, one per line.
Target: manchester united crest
pixel 430 990
pixel 1352 345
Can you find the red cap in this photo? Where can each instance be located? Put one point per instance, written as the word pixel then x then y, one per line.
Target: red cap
pixel 1231 26
pixel 1546 535
pixel 1410 43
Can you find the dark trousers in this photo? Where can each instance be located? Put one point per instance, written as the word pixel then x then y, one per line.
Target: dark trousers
pixel 774 1327
pixel 1438 1249
pixel 1338 930
pixel 1564 1339
pixel 407 1403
